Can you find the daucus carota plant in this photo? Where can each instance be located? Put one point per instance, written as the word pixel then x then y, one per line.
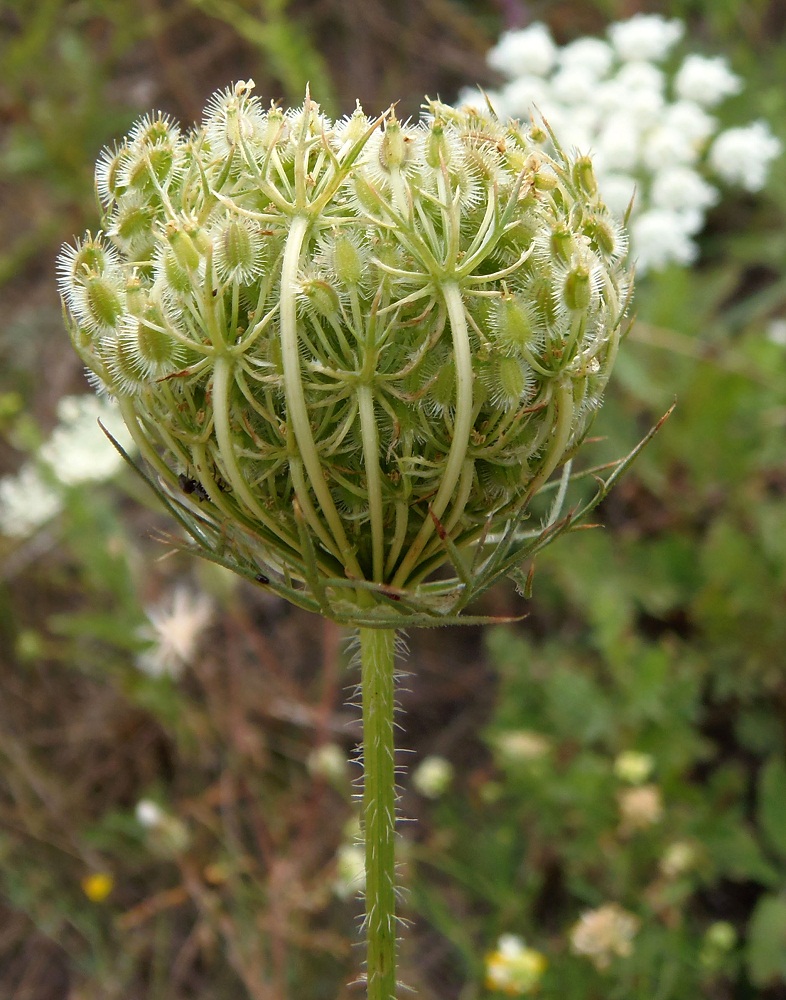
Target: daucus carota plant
pixel 351 353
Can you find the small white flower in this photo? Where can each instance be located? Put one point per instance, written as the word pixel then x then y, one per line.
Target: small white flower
pixel 667 145
pixel 328 761
pixel 641 95
pixel 640 808
pixel 603 934
pixel 776 332
pixel 27 502
pixel 168 835
pixel 617 190
pixel 678 858
pixel 521 745
pixel 618 143
pixel 689 119
pixel 175 629
pixel 645 37
pixel 707 81
pixel 521 96
pixel 78 451
pixel 149 814
pixel 432 777
pixel 527 50
pixel 571 84
pixel 743 155
pixel 592 55
pixel 350 871
pixel 680 188
pixel 661 237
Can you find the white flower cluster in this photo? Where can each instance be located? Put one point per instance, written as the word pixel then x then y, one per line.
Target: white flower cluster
pixel 645 117
pixel 604 934
pixel 174 629
pixel 77 452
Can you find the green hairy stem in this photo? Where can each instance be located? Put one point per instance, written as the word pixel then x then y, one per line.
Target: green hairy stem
pixel 379 809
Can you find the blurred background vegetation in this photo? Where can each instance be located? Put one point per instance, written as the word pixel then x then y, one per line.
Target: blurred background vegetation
pixel 662 634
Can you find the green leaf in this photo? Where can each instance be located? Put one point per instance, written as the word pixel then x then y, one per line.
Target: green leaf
pixel 736 853
pixel 766 951
pixel 772 803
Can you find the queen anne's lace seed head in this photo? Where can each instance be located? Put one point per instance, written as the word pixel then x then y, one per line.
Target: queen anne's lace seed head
pixel 349 349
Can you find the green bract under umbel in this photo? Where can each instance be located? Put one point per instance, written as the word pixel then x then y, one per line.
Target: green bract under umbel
pixel 351 351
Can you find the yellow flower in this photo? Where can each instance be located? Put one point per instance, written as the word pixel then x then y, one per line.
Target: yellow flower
pixel 514 969
pixel 97 886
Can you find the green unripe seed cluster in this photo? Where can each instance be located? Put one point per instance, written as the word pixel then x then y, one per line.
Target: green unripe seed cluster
pixel 369 342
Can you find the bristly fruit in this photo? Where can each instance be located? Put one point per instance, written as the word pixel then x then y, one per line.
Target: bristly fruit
pixel 369 341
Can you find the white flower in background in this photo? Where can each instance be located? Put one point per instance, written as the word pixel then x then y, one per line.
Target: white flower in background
pixel 27 501
pixel 707 81
pixel 644 121
pixel 592 55
pixel 174 629
pixel 678 858
pixel 528 50
pixel 149 814
pixel 78 451
pixel 350 871
pixel 640 808
pixel 513 968
pixel 432 777
pixel 328 761
pixel 603 934
pixel 645 37
pixel 662 237
pixel 167 834
pixel 521 745
pixel 743 155
pixel 681 189
pixel 776 331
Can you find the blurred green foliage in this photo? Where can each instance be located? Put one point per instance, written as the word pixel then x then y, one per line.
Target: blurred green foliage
pixel 663 632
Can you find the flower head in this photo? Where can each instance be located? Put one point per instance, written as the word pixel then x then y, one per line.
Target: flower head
pixel 707 81
pixel 328 761
pixel 27 501
pixel 513 968
pixel 640 807
pixel 633 766
pixel 743 155
pixel 350 350
pixel 645 37
pixel 531 50
pixel 350 871
pixel 603 934
pixel 78 450
pixel 521 745
pixel 98 886
pixel 432 777
pixel 174 628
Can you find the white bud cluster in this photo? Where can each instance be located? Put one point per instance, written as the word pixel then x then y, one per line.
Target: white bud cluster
pixel 646 115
